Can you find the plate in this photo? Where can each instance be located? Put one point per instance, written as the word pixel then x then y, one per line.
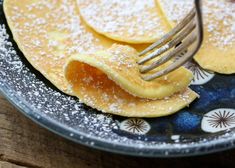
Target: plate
pixel 204 127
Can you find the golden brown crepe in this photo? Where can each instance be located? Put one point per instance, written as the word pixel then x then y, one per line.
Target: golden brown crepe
pixel 119 64
pixel 218 49
pixel 90 81
pixel 49 32
pixel 132 21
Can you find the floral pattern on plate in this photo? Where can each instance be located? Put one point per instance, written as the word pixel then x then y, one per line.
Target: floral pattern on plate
pixel 201 76
pixel 135 126
pixel 218 120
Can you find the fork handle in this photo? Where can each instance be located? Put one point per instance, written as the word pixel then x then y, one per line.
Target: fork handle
pixel 198 7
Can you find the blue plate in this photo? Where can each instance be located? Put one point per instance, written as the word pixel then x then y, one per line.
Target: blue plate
pixel 205 127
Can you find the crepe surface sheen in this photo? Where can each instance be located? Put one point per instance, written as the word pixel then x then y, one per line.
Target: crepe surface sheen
pixel 49 32
pixel 131 21
pixel 218 48
pixel 89 80
pixel 119 64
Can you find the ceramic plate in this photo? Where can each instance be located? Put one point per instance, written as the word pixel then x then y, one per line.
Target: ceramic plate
pixel 204 127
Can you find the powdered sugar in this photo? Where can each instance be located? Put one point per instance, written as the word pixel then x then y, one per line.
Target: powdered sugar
pixel 215 14
pixel 28 87
pixel 123 18
pixel 30 91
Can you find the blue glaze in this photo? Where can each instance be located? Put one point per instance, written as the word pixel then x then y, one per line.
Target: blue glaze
pixel 186 122
pixel 217 93
pixel 161 128
pixel 232 94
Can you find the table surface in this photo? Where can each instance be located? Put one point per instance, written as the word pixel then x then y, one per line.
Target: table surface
pixel 25 144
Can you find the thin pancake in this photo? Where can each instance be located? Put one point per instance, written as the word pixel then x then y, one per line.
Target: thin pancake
pixel 49 32
pixel 119 64
pixel 54 34
pixel 132 21
pixel 218 51
pixel 90 81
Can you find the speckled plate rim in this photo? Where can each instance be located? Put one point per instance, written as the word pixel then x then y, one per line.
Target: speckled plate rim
pixel 200 148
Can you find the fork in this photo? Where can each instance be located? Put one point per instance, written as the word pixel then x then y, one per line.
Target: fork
pixel 186 36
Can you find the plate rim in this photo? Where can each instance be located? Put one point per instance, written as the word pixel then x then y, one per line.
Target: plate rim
pixel 201 148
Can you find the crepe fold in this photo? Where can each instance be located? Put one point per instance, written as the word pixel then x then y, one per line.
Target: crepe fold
pixel 104 83
pixel 82 63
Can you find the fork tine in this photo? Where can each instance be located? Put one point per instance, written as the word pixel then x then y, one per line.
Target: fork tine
pixel 183 37
pixel 171 44
pixel 166 58
pixel 171 34
pixel 171 68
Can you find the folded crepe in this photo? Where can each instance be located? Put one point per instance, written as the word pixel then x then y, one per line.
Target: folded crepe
pixel 132 21
pixel 80 62
pixel 218 51
pixel 97 85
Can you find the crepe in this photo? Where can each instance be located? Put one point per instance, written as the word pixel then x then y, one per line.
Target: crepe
pixel 218 51
pixel 119 64
pixel 131 21
pixel 48 33
pixel 90 81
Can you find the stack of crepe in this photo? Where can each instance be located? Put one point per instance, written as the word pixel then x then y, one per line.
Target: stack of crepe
pixel 89 49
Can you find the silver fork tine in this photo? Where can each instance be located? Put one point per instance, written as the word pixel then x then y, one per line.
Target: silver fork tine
pixel 171 44
pixel 171 68
pixel 166 58
pixel 171 34
pixel 186 35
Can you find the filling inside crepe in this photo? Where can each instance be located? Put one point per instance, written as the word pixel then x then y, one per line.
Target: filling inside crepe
pixel 51 35
pixel 217 52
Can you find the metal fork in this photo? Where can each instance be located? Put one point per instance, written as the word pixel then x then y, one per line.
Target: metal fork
pixel 186 36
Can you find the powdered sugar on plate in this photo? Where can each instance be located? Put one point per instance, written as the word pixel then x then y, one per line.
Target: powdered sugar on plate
pixel 27 88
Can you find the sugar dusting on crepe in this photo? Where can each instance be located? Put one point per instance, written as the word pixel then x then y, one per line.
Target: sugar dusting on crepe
pixel 214 13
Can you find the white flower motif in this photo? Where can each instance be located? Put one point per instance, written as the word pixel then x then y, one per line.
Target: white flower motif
pixel 135 126
pixel 201 76
pixel 218 120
